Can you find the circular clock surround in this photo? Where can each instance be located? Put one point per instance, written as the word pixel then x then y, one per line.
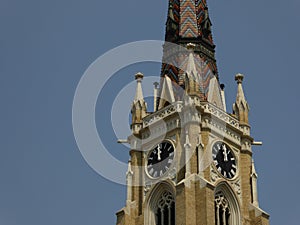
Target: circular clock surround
pixel 160 159
pixel 224 160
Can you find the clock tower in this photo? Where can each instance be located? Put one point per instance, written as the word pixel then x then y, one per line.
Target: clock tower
pixel 190 159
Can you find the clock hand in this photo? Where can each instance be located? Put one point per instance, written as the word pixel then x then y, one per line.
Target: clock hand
pixel 225 153
pixel 158 153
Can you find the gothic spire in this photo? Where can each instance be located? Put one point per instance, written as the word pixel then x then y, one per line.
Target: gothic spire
pixel 139 106
pixel 188 23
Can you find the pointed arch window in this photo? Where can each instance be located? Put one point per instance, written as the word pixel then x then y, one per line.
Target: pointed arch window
pixel 165 210
pixel 227 211
pixel 222 210
pixel 160 209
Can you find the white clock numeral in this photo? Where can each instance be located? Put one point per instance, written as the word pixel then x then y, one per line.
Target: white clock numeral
pixel 215 150
pixel 151 171
pixel 232 171
pixel 155 174
pixel 219 169
pixel 224 173
pixel 161 173
pixel 232 159
pixel 234 166
pixel 170 161
pixel 171 154
pixel 166 167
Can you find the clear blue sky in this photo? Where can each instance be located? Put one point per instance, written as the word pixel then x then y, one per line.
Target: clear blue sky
pixel 45 47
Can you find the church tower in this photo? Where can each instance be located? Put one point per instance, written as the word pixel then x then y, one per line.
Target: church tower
pixel 190 160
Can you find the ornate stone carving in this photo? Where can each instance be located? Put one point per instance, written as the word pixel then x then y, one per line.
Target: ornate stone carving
pixel 223 129
pixel 147 188
pixel 172 174
pixel 161 114
pixel 214 176
pixel 220 114
pixel 236 184
pixel 237 187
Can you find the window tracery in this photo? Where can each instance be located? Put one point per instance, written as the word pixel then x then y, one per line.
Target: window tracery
pixel 222 209
pixel 165 210
pixel 227 210
pixel 160 209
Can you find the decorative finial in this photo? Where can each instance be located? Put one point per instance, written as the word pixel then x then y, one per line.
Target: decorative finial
pixel 191 46
pixel 139 106
pixel 155 85
pixel 222 86
pixel 239 78
pixel 139 76
pixel 241 107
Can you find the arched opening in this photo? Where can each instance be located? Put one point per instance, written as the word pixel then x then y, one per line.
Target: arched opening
pixel 160 209
pixel 227 210
pixel 165 209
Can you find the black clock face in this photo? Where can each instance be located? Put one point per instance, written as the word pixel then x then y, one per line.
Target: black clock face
pixel 224 159
pixel 160 159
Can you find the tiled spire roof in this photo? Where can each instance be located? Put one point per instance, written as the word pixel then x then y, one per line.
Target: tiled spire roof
pixel 188 19
pixel 188 23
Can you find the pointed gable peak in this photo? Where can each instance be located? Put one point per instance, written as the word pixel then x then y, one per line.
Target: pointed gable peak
pixel 167 93
pixel 191 69
pixel 253 172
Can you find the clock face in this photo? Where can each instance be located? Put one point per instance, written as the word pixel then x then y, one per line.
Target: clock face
pixel 160 159
pixel 224 159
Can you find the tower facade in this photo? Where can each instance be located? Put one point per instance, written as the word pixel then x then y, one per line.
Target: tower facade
pixel 190 160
